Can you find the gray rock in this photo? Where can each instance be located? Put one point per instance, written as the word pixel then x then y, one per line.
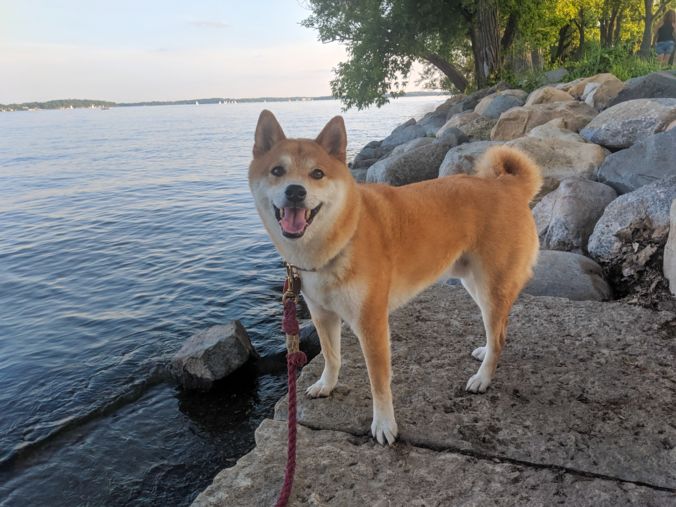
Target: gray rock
pixel 339 469
pixel 560 158
pixel 418 164
pixel 475 126
pixel 411 145
pixel 462 159
pixel 573 387
pixel 359 175
pixel 637 217
pixel 646 161
pixel 626 123
pixel 655 85
pixel 556 75
pixel 669 264
pixel 470 102
pixel 404 132
pixel 566 217
pixel 433 121
pixel 518 121
pixel 211 355
pixel 494 105
pixel 555 129
pixel 548 94
pixel 369 155
pixel 568 275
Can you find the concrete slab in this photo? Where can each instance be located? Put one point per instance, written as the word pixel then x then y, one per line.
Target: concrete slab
pixel 586 386
pixel 338 469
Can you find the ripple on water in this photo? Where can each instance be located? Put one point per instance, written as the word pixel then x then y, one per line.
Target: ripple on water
pixel 122 232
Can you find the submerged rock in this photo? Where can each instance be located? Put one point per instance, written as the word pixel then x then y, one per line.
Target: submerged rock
pixel 211 355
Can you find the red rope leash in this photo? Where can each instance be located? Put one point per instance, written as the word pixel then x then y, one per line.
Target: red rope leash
pixel 295 359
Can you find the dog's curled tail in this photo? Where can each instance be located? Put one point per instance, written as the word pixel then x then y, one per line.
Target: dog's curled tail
pixel 510 163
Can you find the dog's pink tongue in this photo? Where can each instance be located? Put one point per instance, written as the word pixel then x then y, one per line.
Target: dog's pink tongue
pixel 294 221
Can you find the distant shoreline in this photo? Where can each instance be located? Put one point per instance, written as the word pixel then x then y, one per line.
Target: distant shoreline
pixel 104 104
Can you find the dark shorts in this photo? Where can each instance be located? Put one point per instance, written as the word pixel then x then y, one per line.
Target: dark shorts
pixel 664 47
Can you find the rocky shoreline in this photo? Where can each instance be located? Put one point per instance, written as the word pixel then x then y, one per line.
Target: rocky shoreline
pixel 580 411
pixel 608 154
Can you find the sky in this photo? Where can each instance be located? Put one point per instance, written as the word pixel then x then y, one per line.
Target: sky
pixel 160 50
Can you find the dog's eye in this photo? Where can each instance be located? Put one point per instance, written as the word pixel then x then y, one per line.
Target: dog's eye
pixel 317 174
pixel 278 171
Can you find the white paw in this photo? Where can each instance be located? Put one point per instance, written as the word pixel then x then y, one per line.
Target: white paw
pixel 479 353
pixel 384 429
pixel 478 383
pixel 320 389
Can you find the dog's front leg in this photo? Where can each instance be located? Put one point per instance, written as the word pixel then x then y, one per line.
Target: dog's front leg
pixel 374 337
pixel 327 324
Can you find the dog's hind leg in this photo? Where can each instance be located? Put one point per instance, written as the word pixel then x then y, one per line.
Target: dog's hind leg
pixel 495 303
pixel 328 328
pixel 470 286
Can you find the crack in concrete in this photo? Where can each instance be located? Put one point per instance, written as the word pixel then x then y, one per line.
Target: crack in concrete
pixel 505 459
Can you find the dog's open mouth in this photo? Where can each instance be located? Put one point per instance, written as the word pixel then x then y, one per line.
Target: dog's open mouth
pixel 294 221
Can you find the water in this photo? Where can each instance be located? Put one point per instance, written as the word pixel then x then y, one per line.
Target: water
pixel 122 232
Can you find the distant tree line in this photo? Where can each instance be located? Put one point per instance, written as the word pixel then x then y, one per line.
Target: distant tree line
pixel 471 43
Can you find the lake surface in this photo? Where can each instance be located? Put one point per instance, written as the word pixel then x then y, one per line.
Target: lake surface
pixel 122 233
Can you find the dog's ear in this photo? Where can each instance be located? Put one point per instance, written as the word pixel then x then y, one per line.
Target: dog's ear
pixel 268 133
pixel 333 138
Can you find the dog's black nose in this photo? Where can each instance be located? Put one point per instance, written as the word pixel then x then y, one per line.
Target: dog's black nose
pixel 295 193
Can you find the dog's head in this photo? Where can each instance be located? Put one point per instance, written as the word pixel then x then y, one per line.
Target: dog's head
pixel 301 186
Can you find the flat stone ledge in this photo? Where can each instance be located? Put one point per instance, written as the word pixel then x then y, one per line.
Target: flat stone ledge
pixel 586 386
pixel 338 469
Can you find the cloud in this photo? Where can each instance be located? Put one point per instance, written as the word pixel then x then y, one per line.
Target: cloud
pixel 205 23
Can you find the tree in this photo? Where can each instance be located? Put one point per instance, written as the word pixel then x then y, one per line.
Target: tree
pixel 649 18
pixel 383 40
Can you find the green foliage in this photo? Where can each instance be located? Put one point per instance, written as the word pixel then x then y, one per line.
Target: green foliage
pixel 385 38
pixel 617 60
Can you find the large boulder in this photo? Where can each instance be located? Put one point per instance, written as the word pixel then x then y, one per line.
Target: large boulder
pixel 369 155
pixel 411 145
pixel 598 90
pixel 655 85
pixel 211 355
pixel 669 263
pixel 568 275
pixel 519 120
pixel 494 105
pixel 566 217
pixel 561 158
pixel 556 75
pixel 626 123
pixel 555 129
pixel 548 94
pixel 469 102
pixel 475 126
pixel 462 159
pixel 649 160
pixel 418 164
pixel 404 132
pixel 629 237
pixel 433 121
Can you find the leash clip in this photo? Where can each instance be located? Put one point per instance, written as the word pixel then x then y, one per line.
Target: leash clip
pixel 292 284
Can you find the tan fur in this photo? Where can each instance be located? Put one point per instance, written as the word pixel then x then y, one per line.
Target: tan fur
pixel 374 247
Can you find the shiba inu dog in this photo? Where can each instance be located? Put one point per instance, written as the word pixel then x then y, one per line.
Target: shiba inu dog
pixel 364 250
